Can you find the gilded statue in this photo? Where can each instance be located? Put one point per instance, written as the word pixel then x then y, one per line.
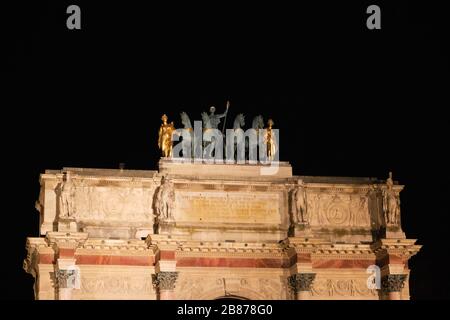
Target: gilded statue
pixel 269 140
pixel 165 137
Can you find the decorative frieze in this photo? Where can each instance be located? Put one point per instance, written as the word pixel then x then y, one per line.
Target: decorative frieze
pixel 116 285
pixel 338 287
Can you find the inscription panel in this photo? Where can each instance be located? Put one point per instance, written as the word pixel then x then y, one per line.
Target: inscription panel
pixel 231 207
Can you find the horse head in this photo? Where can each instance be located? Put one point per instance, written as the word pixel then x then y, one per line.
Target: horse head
pixel 239 121
pixel 185 120
pixel 258 122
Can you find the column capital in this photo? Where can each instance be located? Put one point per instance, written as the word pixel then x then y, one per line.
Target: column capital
pixel 66 278
pixel 301 281
pixel 393 282
pixel 165 280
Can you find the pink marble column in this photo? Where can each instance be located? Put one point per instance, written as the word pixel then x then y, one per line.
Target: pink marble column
pixel 394 295
pixel 167 295
pixel 303 295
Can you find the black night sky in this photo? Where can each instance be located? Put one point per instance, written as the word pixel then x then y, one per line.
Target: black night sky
pixel 348 101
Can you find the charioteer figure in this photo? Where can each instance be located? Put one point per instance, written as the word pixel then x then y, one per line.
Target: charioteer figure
pixel 214 119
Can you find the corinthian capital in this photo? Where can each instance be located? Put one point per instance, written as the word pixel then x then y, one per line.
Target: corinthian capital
pixel 393 282
pixel 165 280
pixel 66 278
pixel 301 281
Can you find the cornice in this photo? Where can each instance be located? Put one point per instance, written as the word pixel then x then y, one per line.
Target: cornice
pixel 111 246
pixel 319 248
pixel 404 248
pixel 66 239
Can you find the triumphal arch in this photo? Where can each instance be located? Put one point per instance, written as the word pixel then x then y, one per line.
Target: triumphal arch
pixel 210 229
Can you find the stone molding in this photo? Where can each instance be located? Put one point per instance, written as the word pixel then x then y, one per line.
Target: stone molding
pixel 324 249
pixel 404 248
pixel 66 239
pixel 317 248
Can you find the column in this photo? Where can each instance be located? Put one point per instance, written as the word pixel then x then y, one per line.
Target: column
pixel 300 284
pixel 66 279
pixel 166 275
pixel 67 275
pixel 392 284
pixel 164 282
pixel 392 258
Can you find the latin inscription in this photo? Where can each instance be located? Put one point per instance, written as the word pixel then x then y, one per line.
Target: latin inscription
pixel 228 207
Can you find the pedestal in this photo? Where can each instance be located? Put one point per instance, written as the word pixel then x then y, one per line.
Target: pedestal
pixel 67 225
pixel 302 230
pixel 166 227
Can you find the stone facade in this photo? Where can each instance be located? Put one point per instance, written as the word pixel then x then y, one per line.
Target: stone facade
pixel 204 231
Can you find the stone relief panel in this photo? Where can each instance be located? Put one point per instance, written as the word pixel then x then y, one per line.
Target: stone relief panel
pixel 375 208
pixel 332 287
pixel 112 203
pixel 273 289
pixel 339 210
pixel 203 287
pixel 115 286
pixel 192 288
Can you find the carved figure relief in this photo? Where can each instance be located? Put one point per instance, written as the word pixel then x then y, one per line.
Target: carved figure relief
pixel 112 203
pixel 329 209
pixel 165 200
pixel 391 203
pixel 66 192
pixel 341 287
pixel 195 287
pixel 300 205
pixel 116 285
